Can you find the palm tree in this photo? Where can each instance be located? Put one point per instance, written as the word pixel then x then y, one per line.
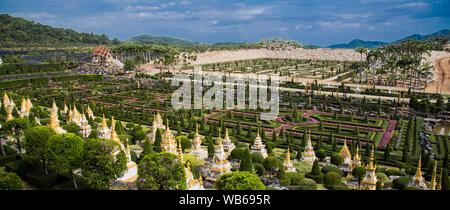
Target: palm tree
pixel 362 51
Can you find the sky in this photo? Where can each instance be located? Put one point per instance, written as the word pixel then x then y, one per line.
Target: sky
pixel 319 22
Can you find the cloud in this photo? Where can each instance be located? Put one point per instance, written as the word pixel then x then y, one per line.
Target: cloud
pixel 338 24
pixel 303 27
pixel 350 16
pixel 34 15
pixel 185 2
pixel 412 5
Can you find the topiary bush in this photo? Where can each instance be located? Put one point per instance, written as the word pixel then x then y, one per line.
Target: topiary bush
pixel 331 179
pixel 295 177
pixel 236 153
pixel 393 172
pixel 331 168
pixel 321 154
pixel 401 182
pixel 307 184
pixel 336 159
pixel 257 158
pixel 10 181
pixel 259 169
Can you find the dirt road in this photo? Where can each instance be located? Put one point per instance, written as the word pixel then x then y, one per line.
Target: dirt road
pixel 443 73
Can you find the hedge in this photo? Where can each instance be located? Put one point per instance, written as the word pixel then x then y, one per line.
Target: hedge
pixel 11 69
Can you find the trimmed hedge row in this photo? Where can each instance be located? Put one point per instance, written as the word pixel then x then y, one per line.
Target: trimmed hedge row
pixel 12 69
pixel 40 80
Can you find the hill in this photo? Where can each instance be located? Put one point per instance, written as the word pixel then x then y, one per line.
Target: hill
pixel 441 33
pixel 17 32
pixel 374 44
pixel 229 43
pixel 357 42
pixel 161 40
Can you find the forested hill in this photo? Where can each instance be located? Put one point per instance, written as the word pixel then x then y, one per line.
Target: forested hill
pixel 161 40
pixel 17 32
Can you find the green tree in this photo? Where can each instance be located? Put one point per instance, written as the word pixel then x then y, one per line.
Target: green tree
pixel 37 144
pixel 17 127
pixel 336 159
pixel 100 166
pixel 246 161
pixel 359 172
pixel 148 147
pixel 331 179
pixel 211 148
pixel 161 171
pixel 271 164
pixel 321 154
pixel 66 154
pixel 239 180
pixel 158 140
pixel 307 184
pixel 10 181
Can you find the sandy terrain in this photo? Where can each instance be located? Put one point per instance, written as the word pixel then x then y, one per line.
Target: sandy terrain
pixel 443 76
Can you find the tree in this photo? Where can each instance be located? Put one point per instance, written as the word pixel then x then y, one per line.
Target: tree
pixel 321 154
pixel 359 172
pixel 336 159
pixel 211 148
pixel 100 166
pixel 387 152
pixel 307 184
pixel 17 127
pixel 148 147
pixel 65 154
pixel 271 164
pixel 445 182
pixel 129 64
pixel 246 161
pixel 239 180
pixel 37 144
pixel 315 173
pixel 10 181
pixel 331 179
pixel 161 171
pixel 72 128
pixel 158 140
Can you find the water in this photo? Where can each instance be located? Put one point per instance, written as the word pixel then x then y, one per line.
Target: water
pixel 442 128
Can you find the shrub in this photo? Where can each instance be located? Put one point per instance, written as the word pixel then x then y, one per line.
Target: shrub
pixel 401 182
pixel 239 180
pixel 331 179
pixel 295 177
pixel 412 188
pixel 321 154
pixel 307 184
pixel 10 181
pixel 393 172
pixel 331 168
pixel 336 159
pixel 259 169
pixel 42 181
pixel 237 152
pixel 286 181
pixel 257 158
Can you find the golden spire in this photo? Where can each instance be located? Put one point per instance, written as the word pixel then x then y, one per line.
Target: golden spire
pixel 168 129
pixel 9 117
pixel 128 152
pixel 226 133
pixel 288 156
pixel 113 124
pixel 356 157
pixel 257 132
pixel 196 129
pixel 188 165
pixel 418 174
pixel 5 99
pixel 344 151
pixel 180 151
pixel 370 166
pixel 54 108
pixel 433 177
pixel 200 181
pixel 104 126
pixel 439 186
pixel 220 139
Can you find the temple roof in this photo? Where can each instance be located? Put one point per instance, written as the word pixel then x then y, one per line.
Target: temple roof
pixel 100 51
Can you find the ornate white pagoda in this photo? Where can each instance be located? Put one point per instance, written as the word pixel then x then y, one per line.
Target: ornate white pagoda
pixel 220 164
pixel 346 155
pixel 168 144
pixel 369 181
pixel 417 180
pixel 157 124
pixel 258 146
pixel 288 166
pixel 197 150
pixel 131 174
pixel 104 132
pixel 228 145
pixel 309 155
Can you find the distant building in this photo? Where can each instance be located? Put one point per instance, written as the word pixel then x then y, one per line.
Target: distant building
pixel 101 54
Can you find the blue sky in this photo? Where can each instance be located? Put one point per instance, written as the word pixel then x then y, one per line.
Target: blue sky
pixel 322 22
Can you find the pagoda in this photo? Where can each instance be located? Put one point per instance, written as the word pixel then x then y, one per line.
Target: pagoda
pixel 85 128
pixel 65 110
pixel 168 143
pixel 418 180
pixel 25 107
pixel 433 177
pixel 54 122
pixel 258 146
pixel 309 155
pixel 7 102
pixel 114 136
pixel 346 155
pixel 104 132
pixel 74 116
pixel 197 150
pixel 131 174
pixel 90 112
pixel 356 159
pixel 9 116
pixel 228 145
pixel 220 164
pixel 157 124
pixel 369 181
pixel 288 166
pixel 180 151
pixel 191 183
